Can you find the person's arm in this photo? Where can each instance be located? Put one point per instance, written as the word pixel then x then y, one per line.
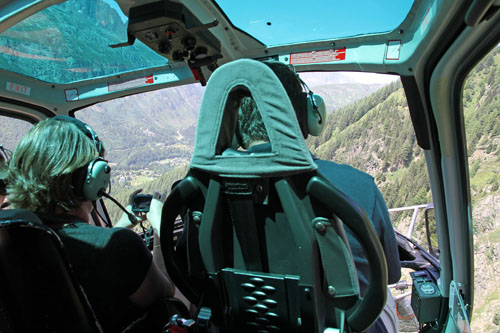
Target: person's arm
pixel 154 214
pixel 154 217
pixel 154 286
pixel 157 280
pixel 387 238
pixel 131 266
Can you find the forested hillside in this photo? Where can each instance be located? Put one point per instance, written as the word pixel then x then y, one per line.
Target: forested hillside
pixel 162 185
pixel 482 114
pixel 341 94
pixel 375 135
pixel 153 131
pixel 338 89
pixel 482 119
pixel 37 46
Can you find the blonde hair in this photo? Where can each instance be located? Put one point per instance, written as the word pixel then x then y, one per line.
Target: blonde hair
pixel 42 167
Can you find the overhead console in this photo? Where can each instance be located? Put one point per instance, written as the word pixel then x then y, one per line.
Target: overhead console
pixel 172 31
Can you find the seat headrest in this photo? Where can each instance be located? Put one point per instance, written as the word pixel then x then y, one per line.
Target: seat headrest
pixel 218 116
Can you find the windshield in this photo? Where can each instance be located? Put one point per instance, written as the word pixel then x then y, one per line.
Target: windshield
pixel 269 22
pixel 70 42
pixel 51 46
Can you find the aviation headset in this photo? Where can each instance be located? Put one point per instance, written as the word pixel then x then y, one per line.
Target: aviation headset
pixel 311 112
pixel 92 179
pixel 316 110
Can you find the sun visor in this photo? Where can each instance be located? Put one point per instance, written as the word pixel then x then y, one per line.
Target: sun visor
pixel 218 117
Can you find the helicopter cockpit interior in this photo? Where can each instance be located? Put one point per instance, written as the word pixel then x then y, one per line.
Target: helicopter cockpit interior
pixel 265 246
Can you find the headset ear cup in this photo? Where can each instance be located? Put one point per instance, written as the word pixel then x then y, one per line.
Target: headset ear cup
pixel 96 179
pixel 316 115
pixel 302 114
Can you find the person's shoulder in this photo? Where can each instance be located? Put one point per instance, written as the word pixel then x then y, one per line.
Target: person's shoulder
pixel 111 236
pixel 120 240
pixel 99 236
pixel 122 233
pixel 343 170
pixel 357 184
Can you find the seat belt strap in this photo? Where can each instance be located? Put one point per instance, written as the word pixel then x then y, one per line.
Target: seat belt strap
pixel 241 208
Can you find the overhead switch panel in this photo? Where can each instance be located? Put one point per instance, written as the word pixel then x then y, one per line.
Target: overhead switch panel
pixel 171 30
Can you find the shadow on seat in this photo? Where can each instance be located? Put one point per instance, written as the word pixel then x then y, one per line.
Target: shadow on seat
pixel 39 292
pixel 265 248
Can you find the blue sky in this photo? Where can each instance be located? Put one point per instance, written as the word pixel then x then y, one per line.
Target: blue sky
pixel 326 18
pixel 292 21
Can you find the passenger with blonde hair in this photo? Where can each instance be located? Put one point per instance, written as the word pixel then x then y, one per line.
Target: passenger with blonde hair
pixel 46 174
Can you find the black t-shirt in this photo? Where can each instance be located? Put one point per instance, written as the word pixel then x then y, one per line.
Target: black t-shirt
pixel 110 264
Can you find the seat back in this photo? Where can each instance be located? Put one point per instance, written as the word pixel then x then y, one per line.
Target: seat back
pixel 39 292
pixel 265 248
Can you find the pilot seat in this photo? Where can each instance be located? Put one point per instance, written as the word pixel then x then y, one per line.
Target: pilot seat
pixel 263 247
pixel 39 292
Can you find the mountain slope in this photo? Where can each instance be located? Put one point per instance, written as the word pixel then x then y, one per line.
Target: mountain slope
pixel 341 94
pixel 375 135
pixel 150 130
pixel 37 46
pixel 481 102
pixel 338 88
